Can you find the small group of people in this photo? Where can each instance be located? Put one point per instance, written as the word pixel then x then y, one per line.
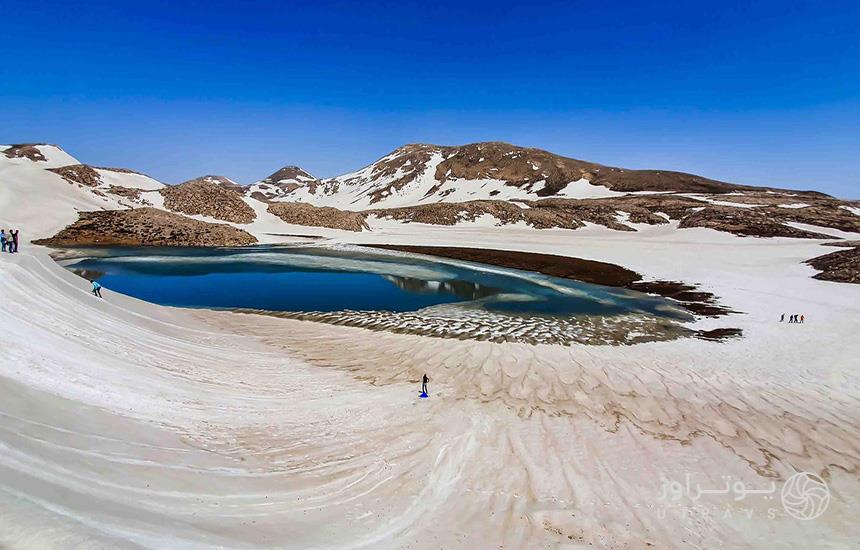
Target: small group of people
pixel 796 318
pixel 9 241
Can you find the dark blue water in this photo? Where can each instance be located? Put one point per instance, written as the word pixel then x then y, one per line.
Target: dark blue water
pixel 323 279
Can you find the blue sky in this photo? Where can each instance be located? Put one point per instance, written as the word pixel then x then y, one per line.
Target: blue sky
pixel 765 93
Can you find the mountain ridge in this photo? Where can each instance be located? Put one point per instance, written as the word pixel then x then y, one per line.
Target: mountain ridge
pixel 421 173
pixel 488 182
pixel 536 172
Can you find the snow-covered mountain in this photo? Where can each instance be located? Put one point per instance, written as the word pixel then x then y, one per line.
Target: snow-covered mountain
pixel 418 174
pixel 43 188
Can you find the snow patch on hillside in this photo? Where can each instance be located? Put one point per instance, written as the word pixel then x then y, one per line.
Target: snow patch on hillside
pixel 584 189
pixel 718 202
pixel 128 179
pixel 55 157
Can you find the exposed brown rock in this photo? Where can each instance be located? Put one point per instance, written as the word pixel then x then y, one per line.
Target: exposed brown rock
pixel 674 206
pixel 841 266
pixel 300 213
pixel 719 334
pixel 25 150
pixel 614 213
pixel 696 301
pixel 826 213
pixel 449 213
pixel 221 181
pixel 127 192
pixel 588 271
pixel 745 222
pixel 80 174
pixel 543 214
pixel 145 227
pixel 259 196
pixel 762 221
pixel 606 212
pixel 842 244
pixel 289 173
pixel 85 174
pixel 205 198
pixel 518 166
pixel 767 220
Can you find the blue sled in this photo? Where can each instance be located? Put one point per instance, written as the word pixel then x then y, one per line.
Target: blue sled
pixel 424 395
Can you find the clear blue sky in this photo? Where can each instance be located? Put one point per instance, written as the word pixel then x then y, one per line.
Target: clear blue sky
pixel 751 92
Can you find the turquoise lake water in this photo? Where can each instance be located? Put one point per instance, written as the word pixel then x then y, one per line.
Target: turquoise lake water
pixel 314 278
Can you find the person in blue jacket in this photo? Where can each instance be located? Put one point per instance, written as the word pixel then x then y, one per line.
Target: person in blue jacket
pixel 97 289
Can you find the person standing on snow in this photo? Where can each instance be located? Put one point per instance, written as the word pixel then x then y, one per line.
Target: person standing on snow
pixel 3 239
pixel 97 289
pixel 424 381
pixel 14 238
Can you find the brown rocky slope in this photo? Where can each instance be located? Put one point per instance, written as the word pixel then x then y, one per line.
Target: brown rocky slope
pixel 521 166
pixel 618 213
pixel 80 174
pixel 145 227
pixel 207 198
pixel 299 213
pixel 842 266
pixel 764 220
pixel 220 181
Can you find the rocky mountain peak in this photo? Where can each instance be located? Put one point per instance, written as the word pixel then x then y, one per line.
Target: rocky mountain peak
pixel 283 182
pixel 290 174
